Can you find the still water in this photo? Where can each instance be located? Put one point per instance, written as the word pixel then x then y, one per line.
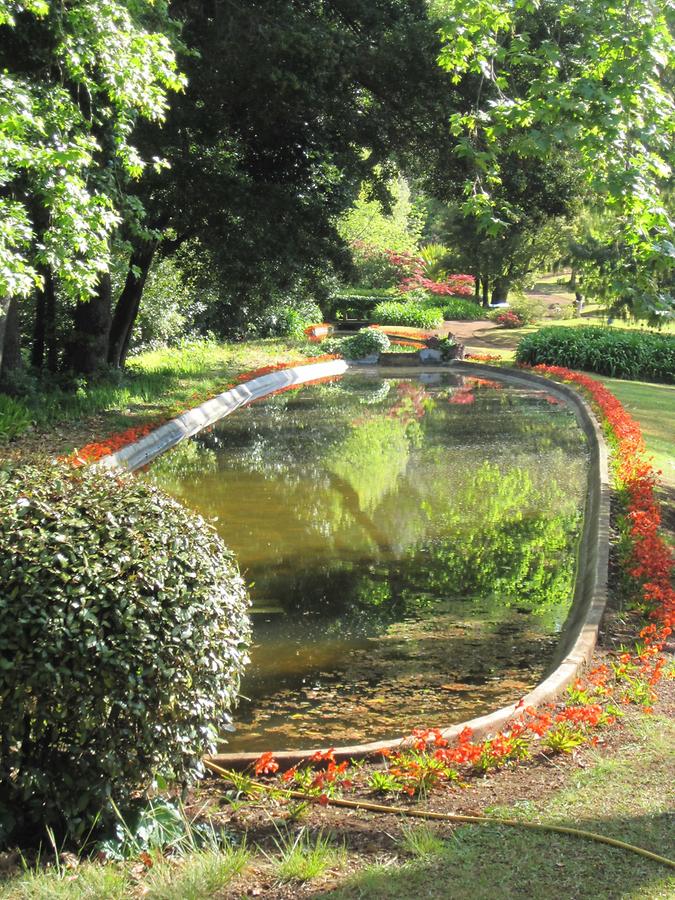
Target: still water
pixel 410 545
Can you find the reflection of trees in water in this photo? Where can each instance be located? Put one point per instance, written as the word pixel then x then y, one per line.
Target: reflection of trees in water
pixel 502 542
pixel 366 511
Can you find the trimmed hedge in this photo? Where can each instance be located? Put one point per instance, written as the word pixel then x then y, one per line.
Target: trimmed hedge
pixel 354 306
pixel 123 634
pixel 411 315
pixel 639 355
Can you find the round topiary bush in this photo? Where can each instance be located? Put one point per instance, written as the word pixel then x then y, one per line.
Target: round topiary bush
pixel 123 634
pixel 364 343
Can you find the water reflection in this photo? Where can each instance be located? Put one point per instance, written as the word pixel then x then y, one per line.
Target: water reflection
pixel 410 548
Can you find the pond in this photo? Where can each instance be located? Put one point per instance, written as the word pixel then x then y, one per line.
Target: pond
pixel 410 546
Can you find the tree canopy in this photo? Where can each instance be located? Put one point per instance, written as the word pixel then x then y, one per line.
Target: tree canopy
pixel 239 135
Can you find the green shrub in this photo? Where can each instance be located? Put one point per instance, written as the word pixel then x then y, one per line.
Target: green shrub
pixel 287 317
pixel 354 305
pixel 14 417
pixel 458 309
pixel 411 315
pixel 639 355
pixel 364 343
pixel 123 633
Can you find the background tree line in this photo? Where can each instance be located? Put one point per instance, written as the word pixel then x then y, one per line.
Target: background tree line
pixel 217 145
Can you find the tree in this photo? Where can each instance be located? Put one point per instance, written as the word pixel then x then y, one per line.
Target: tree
pixel 591 77
pixel 289 109
pixel 540 200
pixel 75 79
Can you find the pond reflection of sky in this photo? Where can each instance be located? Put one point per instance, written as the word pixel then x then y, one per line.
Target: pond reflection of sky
pixel 410 545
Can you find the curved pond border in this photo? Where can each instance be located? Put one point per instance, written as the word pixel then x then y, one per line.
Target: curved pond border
pixel 590 594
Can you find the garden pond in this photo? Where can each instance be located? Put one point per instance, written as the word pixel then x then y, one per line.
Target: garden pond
pixel 410 545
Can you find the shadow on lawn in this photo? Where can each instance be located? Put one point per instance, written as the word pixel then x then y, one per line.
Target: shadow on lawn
pixel 493 862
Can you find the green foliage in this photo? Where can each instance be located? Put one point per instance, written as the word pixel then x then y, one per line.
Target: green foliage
pixel 364 343
pixel 397 228
pixel 167 308
pixel 407 313
pixel 100 68
pixel 590 76
pixel 457 309
pixel 640 355
pixel 355 306
pixel 287 317
pixel 123 634
pixel 15 418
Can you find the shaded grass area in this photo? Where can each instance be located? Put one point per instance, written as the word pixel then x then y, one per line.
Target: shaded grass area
pixel 628 796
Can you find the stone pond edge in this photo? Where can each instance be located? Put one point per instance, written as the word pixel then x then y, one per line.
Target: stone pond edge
pixel 592 560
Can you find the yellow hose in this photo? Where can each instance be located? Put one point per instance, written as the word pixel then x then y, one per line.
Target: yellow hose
pixel 453 817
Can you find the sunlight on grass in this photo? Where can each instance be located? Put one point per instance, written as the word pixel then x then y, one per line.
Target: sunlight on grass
pixel 303 857
pixel 89 880
pixel 653 405
pixel 203 873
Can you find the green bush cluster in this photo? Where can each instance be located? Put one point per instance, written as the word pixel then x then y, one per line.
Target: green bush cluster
pixel 286 317
pixel 412 315
pixel 459 309
pixel 364 343
pixel 354 306
pixel 123 634
pixel 640 355
pixel 15 417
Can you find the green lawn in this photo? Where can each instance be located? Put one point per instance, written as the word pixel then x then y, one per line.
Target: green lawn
pixel 653 405
pixel 627 796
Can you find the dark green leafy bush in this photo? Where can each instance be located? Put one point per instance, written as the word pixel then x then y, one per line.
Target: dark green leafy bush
pixel 364 343
pixel 354 306
pixel 123 633
pixel 640 355
pixel 14 417
pixel 410 314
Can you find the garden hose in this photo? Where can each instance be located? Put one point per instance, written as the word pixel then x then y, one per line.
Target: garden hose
pixel 452 817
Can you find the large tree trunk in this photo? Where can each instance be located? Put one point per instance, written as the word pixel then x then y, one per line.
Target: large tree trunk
pixel 10 339
pixel 44 327
pixel 4 311
pixel 128 303
pixel 500 290
pixel 87 349
pixel 485 286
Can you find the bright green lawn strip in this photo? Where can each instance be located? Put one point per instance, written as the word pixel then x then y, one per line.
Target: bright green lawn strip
pixel 653 405
pixel 627 797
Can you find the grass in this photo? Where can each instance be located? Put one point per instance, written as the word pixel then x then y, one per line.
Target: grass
pixel 653 405
pixel 625 797
pixel 303 857
pixel 421 841
pixel 89 880
pixel 203 873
